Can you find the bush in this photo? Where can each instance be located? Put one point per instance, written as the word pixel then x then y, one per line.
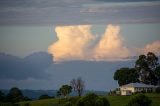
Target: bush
pixel 93 100
pixel 139 100
pixel 102 101
pixel 88 100
pixel 45 96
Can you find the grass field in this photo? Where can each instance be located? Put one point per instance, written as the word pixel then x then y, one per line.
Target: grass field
pixel 113 100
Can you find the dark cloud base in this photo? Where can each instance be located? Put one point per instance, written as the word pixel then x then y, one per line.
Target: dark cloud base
pixel 37 71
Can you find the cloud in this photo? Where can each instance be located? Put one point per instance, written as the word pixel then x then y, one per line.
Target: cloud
pixel 111 45
pixel 69 12
pixel 32 66
pixel 78 43
pixel 153 47
pixel 72 42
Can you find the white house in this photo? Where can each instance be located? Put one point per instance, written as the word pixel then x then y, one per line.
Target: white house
pixel 131 88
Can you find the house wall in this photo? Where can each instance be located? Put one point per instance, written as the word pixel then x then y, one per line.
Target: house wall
pixel 139 89
pixel 130 90
pixel 127 90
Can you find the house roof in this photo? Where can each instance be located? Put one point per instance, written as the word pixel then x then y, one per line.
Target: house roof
pixel 137 85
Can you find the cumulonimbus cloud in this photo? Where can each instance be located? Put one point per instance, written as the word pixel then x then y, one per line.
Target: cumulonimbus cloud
pixel 72 42
pixel 111 45
pixel 78 43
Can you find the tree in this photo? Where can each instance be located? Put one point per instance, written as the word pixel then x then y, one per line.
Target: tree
pixel 126 75
pixel 65 90
pixel 146 66
pixel 77 85
pixel 152 61
pixel 147 70
pixel 157 74
pixel 140 100
pixel 15 95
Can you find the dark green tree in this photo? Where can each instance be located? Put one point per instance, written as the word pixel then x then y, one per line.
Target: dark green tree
pixel 147 70
pixel 65 90
pixel 126 75
pixel 15 95
pixel 157 74
pixel 140 100
pixel 77 85
pixel 146 66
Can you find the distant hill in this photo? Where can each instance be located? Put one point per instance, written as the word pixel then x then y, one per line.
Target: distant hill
pixel 34 94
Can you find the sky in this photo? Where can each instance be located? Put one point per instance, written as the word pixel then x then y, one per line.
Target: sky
pixel 72 38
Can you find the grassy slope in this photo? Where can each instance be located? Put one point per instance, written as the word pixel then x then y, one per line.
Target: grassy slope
pixel 114 101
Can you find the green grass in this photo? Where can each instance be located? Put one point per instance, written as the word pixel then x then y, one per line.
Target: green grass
pixel 46 102
pixel 118 100
pixel 113 100
pixel 123 100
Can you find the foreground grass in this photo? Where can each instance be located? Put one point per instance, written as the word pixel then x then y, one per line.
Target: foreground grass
pixel 123 100
pixel 46 102
pixel 113 100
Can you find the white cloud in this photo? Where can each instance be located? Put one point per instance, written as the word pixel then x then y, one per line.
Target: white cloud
pixel 78 43
pixel 153 47
pixel 111 45
pixel 72 42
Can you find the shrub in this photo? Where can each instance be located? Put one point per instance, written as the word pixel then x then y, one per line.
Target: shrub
pixel 93 100
pixel 45 96
pixel 88 100
pixel 102 101
pixel 139 100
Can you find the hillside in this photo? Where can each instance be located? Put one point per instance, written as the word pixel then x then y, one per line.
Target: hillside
pixel 114 101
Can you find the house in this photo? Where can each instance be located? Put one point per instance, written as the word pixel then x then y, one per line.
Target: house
pixel 131 88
